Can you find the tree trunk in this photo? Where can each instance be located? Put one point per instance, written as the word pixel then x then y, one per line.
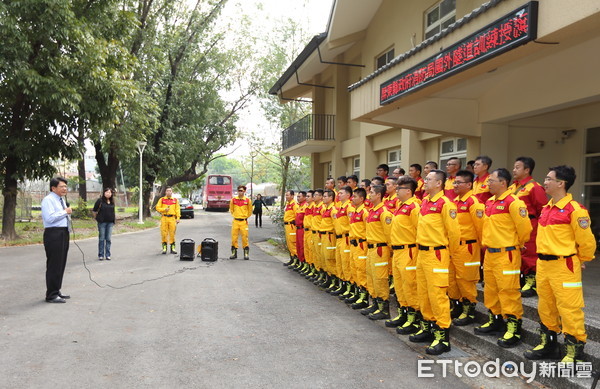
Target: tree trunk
pixel 10 200
pixel 82 181
pixel 108 170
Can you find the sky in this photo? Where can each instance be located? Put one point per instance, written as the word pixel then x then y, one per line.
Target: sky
pixel 313 15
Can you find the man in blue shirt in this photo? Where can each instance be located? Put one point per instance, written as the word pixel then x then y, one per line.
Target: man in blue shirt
pixel 56 217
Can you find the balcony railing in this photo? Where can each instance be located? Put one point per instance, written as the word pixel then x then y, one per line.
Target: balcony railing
pixel 310 127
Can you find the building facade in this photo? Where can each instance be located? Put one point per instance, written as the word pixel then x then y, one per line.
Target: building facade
pixel 402 82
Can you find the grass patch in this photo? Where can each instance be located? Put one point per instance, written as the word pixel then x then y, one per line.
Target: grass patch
pixel 32 232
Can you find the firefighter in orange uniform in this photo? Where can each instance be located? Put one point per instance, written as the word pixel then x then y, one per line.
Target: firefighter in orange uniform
pixel 300 213
pixel 452 166
pixel 289 224
pixel 379 223
pixel 342 248
pixel 390 202
pixel 308 234
pixel 506 228
pixel 534 197
pixel 240 208
pixel 564 242
pixel 358 248
pixel 464 266
pixel 481 186
pixel 438 237
pixel 168 207
pixel 327 235
pixel 403 240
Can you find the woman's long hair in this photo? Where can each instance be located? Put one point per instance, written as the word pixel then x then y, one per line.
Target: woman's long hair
pixel 105 200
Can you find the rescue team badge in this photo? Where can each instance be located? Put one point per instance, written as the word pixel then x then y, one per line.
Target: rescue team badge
pixel 453 213
pixel 584 222
pixel 388 220
pixel 523 212
pixel 479 213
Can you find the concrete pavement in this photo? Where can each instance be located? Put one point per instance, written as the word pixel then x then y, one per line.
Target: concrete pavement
pixel 168 323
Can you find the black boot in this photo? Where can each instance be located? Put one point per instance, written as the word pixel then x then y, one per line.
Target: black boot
pixel 529 289
pixel 412 323
pixel 424 334
pixel 164 248
pixel 173 250
pixel 383 310
pixel 294 262
pixel 398 320
pixel 574 350
pixel 340 288
pixel 332 284
pixel 246 253
pixel 320 276
pixel 512 336
pixel 363 300
pixel 288 263
pixel 547 348
pixel 370 309
pixel 441 343
pixel 233 253
pixel 494 325
pixel 354 296
pixel 468 314
pixel 456 308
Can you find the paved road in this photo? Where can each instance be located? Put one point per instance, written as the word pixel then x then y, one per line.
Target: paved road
pixel 232 324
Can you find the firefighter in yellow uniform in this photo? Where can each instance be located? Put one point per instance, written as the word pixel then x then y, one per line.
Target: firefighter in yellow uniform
pixel 168 207
pixel 240 208
pixel 379 224
pixel 358 248
pixel 327 235
pixel 342 250
pixel 308 247
pixel 403 239
pixel 564 242
pixel 506 228
pixel 289 224
pixel 438 237
pixel 464 266
pixel 316 237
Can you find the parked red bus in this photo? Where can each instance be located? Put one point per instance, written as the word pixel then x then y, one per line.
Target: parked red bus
pixel 217 193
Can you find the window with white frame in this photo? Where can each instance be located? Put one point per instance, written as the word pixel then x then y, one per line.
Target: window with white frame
pixel 356 167
pixel 439 17
pixel 394 159
pixel 453 148
pixel 385 58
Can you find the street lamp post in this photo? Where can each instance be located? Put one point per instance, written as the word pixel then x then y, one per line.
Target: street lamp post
pixel 252 155
pixel 141 146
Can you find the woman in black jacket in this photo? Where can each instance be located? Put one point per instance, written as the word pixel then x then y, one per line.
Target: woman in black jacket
pixel 104 212
pixel 258 203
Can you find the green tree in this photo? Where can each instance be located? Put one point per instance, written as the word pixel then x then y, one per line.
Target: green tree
pixel 51 66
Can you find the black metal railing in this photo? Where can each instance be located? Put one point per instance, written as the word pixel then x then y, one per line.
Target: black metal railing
pixel 310 127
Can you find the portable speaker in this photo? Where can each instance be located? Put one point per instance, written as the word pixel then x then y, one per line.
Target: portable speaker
pixel 187 250
pixel 209 250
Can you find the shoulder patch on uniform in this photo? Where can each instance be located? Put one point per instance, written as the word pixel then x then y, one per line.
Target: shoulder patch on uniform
pixel 453 213
pixel 388 220
pixel 523 211
pixel 479 213
pixel 584 222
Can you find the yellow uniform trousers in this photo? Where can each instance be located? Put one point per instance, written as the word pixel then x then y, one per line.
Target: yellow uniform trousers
pixel 432 286
pixel 502 292
pixel 561 296
pixel 407 262
pixel 308 246
pixel 239 227
pixel 377 270
pixel 290 238
pixel 359 258
pixel 317 252
pixel 342 258
pixel 168 226
pixel 328 252
pixel 464 272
